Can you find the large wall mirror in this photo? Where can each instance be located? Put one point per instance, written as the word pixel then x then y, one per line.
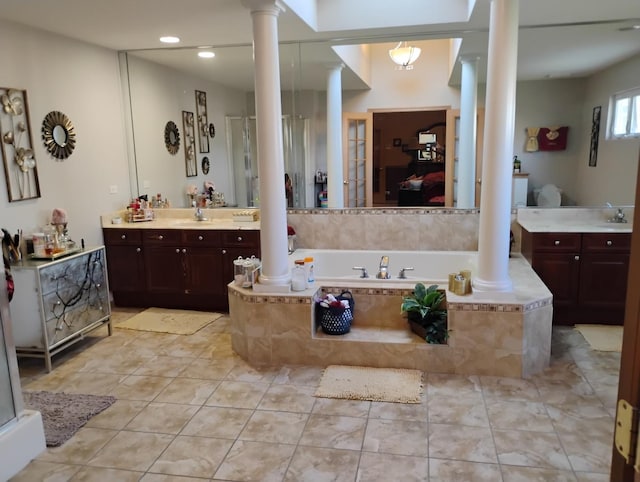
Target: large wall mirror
pixel 162 83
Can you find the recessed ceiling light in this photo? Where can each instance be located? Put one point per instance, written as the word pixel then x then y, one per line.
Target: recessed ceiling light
pixel 169 40
pixel 206 55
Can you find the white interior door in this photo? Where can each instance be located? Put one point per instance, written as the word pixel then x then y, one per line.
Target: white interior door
pixel 357 145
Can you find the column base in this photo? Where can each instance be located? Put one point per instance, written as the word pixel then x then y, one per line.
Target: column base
pixel 494 286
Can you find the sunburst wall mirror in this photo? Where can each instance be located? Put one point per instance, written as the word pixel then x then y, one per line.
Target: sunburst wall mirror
pixel 171 137
pixel 58 135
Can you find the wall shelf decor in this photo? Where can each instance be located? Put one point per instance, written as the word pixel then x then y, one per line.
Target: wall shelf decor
pixel 171 137
pixel 19 160
pixel 189 144
pixel 595 135
pixel 203 126
pixel 58 135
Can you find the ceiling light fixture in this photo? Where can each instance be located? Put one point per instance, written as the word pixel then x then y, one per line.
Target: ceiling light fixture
pixel 169 39
pixel 206 54
pixel 404 56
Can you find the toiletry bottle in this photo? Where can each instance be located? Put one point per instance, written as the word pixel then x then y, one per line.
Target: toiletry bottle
pixel 308 267
pixel 516 165
pixel 298 276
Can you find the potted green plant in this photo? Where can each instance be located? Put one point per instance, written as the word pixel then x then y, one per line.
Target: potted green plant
pixel 426 313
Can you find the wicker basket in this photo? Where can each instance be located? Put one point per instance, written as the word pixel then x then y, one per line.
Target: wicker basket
pixel 334 321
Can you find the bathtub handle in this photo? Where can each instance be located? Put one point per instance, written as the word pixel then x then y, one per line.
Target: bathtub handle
pixel 364 273
pixel 402 275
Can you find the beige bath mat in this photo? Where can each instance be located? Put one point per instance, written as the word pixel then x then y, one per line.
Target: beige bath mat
pixel 178 322
pixel 376 384
pixel 602 337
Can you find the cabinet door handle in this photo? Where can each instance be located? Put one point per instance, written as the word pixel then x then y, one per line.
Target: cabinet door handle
pixel 609 242
pixel 200 238
pixel 556 242
pixel 184 250
pixel 178 250
pixel 161 237
pixel 224 251
pixel 576 257
pixel 239 238
pixel 124 236
pixel 138 250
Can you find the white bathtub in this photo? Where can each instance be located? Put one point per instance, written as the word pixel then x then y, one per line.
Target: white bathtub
pixel 430 266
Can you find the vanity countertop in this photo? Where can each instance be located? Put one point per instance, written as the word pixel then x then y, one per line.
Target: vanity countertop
pixel 182 219
pixel 574 220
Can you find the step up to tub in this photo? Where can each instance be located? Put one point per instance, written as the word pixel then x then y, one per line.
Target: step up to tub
pixel 374 334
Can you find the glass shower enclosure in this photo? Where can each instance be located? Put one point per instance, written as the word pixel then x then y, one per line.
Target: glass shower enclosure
pixel 241 144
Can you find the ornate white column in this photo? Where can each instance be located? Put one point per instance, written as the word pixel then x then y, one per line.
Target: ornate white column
pixel 335 177
pixel 468 133
pixel 495 202
pixel 273 214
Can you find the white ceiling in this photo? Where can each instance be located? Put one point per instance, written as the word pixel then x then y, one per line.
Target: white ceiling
pixel 558 38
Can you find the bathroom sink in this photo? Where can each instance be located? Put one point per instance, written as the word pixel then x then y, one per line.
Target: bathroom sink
pixel 612 227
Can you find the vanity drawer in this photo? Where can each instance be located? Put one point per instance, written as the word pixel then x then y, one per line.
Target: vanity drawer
pixel 240 238
pixel 205 237
pixel 557 242
pixel 161 237
pixel 606 242
pixel 121 236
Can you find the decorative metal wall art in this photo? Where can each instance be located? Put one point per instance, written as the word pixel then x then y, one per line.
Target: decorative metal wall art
pixel 17 147
pixel 58 135
pixel 595 135
pixel 189 144
pixel 203 126
pixel 171 137
pixel 206 165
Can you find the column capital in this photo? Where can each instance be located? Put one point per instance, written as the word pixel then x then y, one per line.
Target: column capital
pixel 469 58
pixel 334 66
pixel 273 6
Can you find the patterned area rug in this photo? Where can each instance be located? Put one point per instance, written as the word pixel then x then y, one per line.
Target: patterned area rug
pixel 602 337
pixel 162 320
pixel 376 384
pixel 63 414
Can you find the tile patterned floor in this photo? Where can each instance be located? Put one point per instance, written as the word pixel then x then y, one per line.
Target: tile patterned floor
pixel 189 409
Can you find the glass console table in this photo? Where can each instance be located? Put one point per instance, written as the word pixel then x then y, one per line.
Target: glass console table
pixel 56 302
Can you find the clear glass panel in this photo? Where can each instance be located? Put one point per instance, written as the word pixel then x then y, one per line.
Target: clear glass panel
pixel 634 128
pixel 621 116
pixel 7 407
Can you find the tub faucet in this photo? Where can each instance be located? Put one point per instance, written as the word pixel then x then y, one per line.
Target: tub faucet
pixel 364 273
pixel 402 274
pixel 383 271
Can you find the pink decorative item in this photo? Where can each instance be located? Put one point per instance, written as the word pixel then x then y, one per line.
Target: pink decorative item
pixel 59 216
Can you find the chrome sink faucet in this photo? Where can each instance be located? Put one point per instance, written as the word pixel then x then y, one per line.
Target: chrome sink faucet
pixel 383 271
pixel 618 217
pixel 199 214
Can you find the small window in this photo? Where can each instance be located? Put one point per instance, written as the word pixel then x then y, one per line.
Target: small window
pixel 625 114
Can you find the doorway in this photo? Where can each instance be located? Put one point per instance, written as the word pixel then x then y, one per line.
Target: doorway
pixel 397 154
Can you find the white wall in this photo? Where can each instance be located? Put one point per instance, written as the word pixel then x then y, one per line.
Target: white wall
pixel 83 82
pixel 613 179
pixel 160 94
pixel 550 103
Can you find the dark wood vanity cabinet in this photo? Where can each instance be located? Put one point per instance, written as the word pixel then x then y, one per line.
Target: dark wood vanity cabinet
pixel 184 269
pixel 125 262
pixel 585 272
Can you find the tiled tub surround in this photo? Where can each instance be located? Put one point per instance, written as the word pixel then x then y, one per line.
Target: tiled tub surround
pixel 412 229
pixel 503 334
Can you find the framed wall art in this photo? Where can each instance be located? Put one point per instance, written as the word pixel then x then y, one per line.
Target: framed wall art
pixel 190 161
pixel 203 125
pixel 20 169
pixel 595 134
